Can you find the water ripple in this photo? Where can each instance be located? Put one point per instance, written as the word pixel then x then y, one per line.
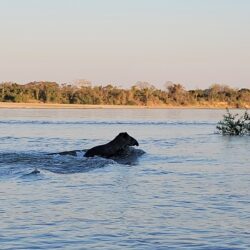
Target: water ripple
pixel 118 122
pixel 190 190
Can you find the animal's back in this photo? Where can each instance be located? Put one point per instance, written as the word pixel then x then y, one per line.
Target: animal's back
pixel 98 150
pixel 112 148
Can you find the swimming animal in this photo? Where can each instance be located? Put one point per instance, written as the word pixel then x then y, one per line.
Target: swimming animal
pixel 120 143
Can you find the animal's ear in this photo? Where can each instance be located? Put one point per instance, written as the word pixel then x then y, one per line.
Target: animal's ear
pixel 125 135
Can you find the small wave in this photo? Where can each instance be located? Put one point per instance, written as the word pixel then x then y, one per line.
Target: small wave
pixel 30 164
pixel 34 173
pixel 155 123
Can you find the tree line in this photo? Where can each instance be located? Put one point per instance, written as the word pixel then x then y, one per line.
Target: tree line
pixel 142 93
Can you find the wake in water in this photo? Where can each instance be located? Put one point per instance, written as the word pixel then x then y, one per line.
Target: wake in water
pixel 68 162
pixel 18 164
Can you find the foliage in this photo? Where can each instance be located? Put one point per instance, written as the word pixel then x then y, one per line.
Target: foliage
pixel 142 93
pixel 231 125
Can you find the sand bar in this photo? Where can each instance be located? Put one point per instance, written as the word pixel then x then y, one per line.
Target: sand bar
pixel 10 105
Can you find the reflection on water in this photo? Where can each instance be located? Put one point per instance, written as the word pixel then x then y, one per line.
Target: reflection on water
pixel 190 190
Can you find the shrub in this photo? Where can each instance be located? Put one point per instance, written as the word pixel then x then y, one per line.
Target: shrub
pixel 232 125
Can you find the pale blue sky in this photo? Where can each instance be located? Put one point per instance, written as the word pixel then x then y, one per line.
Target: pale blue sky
pixel 193 42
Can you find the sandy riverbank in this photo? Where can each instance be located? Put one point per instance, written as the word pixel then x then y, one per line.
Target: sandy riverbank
pixel 11 105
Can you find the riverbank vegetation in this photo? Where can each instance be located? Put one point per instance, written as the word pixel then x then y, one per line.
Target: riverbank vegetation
pixel 141 94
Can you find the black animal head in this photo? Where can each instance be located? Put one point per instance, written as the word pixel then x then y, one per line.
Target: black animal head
pixel 129 140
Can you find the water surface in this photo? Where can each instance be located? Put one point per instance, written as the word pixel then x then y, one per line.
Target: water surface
pixel 190 190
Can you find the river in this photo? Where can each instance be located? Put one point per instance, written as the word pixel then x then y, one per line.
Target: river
pixel 189 190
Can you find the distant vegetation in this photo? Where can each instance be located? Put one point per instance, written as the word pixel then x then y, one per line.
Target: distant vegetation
pixel 142 93
pixel 232 125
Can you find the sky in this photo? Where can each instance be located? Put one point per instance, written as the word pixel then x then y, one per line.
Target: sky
pixel 192 42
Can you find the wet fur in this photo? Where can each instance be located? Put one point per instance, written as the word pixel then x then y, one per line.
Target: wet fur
pixel 118 144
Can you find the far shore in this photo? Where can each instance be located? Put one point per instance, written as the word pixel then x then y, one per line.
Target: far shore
pixel 11 105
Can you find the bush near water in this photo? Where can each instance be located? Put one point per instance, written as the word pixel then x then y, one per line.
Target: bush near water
pixel 232 125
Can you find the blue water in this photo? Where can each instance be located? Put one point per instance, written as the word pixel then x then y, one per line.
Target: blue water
pixel 190 190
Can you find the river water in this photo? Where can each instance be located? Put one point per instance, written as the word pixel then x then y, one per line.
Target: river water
pixel 190 190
